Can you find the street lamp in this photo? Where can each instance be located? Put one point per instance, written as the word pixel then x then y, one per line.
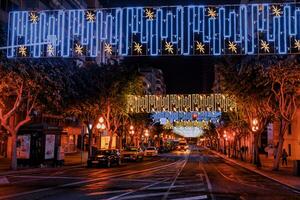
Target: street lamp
pixel 101 127
pixel 255 125
pixel 131 132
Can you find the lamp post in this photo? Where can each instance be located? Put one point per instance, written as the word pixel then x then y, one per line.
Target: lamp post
pixel 147 136
pixel 225 139
pixel 131 132
pixel 255 127
pixel 101 127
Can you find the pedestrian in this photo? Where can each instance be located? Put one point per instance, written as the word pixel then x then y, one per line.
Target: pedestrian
pixel 284 157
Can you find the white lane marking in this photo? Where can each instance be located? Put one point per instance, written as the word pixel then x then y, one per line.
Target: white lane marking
pixel 193 198
pixel 176 176
pixel 86 181
pixel 142 188
pixel 207 181
pixel 107 192
pixel 143 195
pixel 176 186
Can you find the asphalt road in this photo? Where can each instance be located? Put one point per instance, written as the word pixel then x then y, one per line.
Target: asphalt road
pixel 194 175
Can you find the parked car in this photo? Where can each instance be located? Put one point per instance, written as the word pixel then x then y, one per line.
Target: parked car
pixel 104 157
pixel 150 151
pixel 132 153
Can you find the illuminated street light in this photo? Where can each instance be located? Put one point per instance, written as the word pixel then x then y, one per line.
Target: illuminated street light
pixel 255 125
pixel 100 126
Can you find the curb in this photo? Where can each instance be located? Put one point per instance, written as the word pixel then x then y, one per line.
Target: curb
pixel 295 189
pixel 11 172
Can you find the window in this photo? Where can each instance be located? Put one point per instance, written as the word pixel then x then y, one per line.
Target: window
pixel 290 149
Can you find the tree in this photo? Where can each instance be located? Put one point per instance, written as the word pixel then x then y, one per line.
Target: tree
pixel 24 89
pixel 248 82
pixel 285 81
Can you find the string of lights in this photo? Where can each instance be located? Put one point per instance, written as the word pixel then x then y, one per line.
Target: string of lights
pixel 180 103
pixel 141 31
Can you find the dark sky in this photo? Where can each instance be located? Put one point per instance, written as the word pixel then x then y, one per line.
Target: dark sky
pixel 183 74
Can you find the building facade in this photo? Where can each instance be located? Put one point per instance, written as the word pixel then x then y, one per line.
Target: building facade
pixel 153 81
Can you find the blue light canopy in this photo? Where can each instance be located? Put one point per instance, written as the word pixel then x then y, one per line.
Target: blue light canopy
pixel 141 31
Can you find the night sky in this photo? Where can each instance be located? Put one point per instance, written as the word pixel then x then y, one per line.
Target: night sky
pixel 183 75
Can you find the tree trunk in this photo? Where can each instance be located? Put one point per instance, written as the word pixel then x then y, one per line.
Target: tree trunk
pixel 14 164
pixel 90 141
pixel 110 140
pixel 283 126
pixel 256 151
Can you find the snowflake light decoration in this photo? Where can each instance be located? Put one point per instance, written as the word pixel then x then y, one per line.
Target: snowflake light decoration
pixel 200 47
pixel 23 50
pixel 79 49
pixel 264 46
pixel 138 48
pixel 149 14
pixel 33 18
pixel 232 47
pixel 50 50
pixel 169 47
pixel 212 13
pixel 107 48
pixel 90 16
pixel 276 11
pixel 297 44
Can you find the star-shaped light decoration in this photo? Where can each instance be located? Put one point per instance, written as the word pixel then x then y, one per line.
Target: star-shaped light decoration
pixel 212 13
pixel 169 47
pixel 200 47
pixel 50 50
pixel 23 50
pixel 107 48
pixel 33 17
pixel 90 16
pixel 149 14
pixel 297 44
pixel 276 11
pixel 79 49
pixel 232 47
pixel 260 7
pixel 138 48
pixel 264 46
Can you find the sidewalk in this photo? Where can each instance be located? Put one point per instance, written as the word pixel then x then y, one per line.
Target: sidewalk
pixel 73 159
pixel 283 176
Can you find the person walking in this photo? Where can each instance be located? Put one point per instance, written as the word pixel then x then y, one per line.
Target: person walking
pixel 284 157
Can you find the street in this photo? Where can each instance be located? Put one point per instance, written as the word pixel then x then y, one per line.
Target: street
pixel 198 174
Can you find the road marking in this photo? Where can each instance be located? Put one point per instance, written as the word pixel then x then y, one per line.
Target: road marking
pixel 144 195
pixel 193 198
pixel 207 181
pixel 173 182
pixel 86 181
pixel 142 188
pixel 107 192
pixel 177 186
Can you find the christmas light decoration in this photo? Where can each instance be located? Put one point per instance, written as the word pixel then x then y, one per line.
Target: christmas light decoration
pixel 297 44
pixel 180 103
pixel 138 48
pixel 22 50
pixel 200 47
pixel 79 49
pixel 50 50
pixel 232 47
pixel 244 25
pixel 107 48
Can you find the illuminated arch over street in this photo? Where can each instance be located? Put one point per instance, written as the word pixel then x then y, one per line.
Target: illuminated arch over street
pixel 153 31
pixel 180 103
